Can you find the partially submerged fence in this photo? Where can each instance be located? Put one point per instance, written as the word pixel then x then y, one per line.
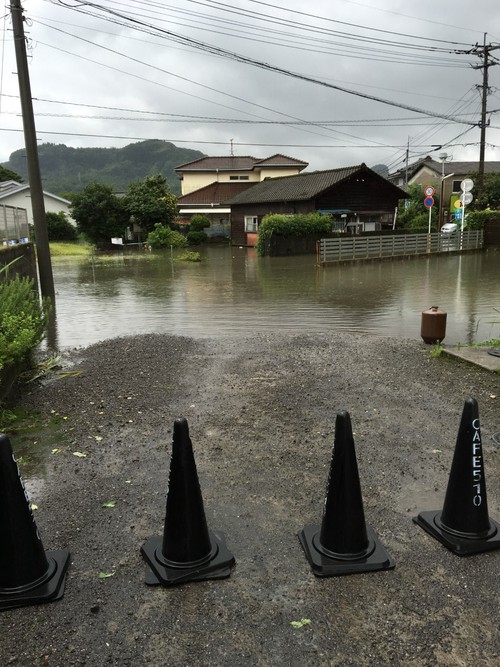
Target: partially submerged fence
pixel 352 248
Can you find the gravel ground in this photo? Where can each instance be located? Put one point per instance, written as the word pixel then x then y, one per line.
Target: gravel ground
pixel 261 412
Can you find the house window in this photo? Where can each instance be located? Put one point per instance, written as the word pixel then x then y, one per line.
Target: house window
pixel 233 178
pixel 243 178
pixel 251 223
pixel 456 186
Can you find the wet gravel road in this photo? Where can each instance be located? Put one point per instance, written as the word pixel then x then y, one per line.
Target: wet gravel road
pixel 261 411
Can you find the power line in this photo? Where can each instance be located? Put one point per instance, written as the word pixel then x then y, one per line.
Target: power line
pixel 235 143
pixel 270 68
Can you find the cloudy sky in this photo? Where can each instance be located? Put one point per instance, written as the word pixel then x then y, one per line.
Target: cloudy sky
pixel 332 83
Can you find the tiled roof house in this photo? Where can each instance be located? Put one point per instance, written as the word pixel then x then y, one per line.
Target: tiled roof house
pixel 208 182
pixel 356 196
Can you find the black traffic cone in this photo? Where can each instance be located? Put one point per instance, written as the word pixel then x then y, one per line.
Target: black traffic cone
pixel 188 551
pixel 28 574
pixel 344 544
pixel 463 525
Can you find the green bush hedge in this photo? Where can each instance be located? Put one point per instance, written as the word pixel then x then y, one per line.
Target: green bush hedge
pixel 476 219
pixel 22 320
pixel 300 224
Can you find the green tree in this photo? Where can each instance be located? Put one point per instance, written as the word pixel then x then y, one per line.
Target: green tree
pixel 9 175
pixel 415 215
pixel 99 213
pixel 59 228
pixel 489 197
pixel 150 202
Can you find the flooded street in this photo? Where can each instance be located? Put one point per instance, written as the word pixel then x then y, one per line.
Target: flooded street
pixel 232 290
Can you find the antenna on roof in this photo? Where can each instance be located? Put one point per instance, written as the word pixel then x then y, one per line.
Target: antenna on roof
pixel 231 142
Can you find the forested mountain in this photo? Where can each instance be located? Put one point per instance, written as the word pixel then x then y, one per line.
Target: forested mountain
pixel 66 169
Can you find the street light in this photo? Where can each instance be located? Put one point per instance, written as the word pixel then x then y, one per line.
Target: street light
pixel 443 157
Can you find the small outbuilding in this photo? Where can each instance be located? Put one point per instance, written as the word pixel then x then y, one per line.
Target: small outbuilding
pixel 357 197
pixel 18 195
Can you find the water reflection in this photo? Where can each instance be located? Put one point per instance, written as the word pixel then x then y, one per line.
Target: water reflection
pixel 234 291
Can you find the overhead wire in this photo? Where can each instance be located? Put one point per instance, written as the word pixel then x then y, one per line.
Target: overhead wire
pixel 293 118
pixel 271 68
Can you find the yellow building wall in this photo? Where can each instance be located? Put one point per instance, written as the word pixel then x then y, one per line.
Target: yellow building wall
pixel 195 181
pixel 276 173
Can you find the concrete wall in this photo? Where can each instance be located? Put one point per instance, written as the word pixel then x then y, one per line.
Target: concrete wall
pixel 25 266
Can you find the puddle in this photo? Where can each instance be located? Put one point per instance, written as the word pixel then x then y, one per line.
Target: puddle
pixel 33 441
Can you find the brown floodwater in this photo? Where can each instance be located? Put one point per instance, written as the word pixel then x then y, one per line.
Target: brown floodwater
pixel 233 291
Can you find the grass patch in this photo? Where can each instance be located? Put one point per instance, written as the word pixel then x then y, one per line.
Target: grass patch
pixel 60 248
pixel 494 342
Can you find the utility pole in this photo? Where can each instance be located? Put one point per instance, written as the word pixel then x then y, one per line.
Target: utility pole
pixel 407 158
pixel 35 181
pixel 486 64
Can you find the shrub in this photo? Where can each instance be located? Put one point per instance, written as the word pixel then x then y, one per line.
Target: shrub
pixel 198 223
pixel 22 320
pixel 195 238
pixel 164 237
pixel 59 228
pixel 292 225
pixel 420 223
pixel 189 257
pixel 476 219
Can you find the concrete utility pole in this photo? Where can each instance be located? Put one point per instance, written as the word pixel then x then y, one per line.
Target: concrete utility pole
pixel 485 52
pixel 35 181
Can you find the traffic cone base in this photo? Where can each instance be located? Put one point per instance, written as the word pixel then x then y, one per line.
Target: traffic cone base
pixel 161 571
pixel 462 544
pixel 325 563
pixel 49 588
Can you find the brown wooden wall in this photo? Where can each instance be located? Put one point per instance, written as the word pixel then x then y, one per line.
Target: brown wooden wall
pixel 492 234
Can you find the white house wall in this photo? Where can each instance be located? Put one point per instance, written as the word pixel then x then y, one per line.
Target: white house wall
pixel 22 200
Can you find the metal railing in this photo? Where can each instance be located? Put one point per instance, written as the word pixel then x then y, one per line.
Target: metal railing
pixel 353 248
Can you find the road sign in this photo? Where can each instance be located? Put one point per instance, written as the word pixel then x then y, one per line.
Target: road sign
pixel 466 185
pixel 428 202
pixel 466 198
pixel 429 191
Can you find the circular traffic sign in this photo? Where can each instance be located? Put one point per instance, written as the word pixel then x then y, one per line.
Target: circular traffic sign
pixel 429 191
pixel 429 201
pixel 466 185
pixel 466 198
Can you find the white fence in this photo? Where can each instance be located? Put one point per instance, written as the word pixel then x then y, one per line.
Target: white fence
pixel 352 248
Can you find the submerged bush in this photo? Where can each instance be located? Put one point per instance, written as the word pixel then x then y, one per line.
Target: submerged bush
pixel 195 238
pixel 189 257
pixel 164 237
pixel 22 320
